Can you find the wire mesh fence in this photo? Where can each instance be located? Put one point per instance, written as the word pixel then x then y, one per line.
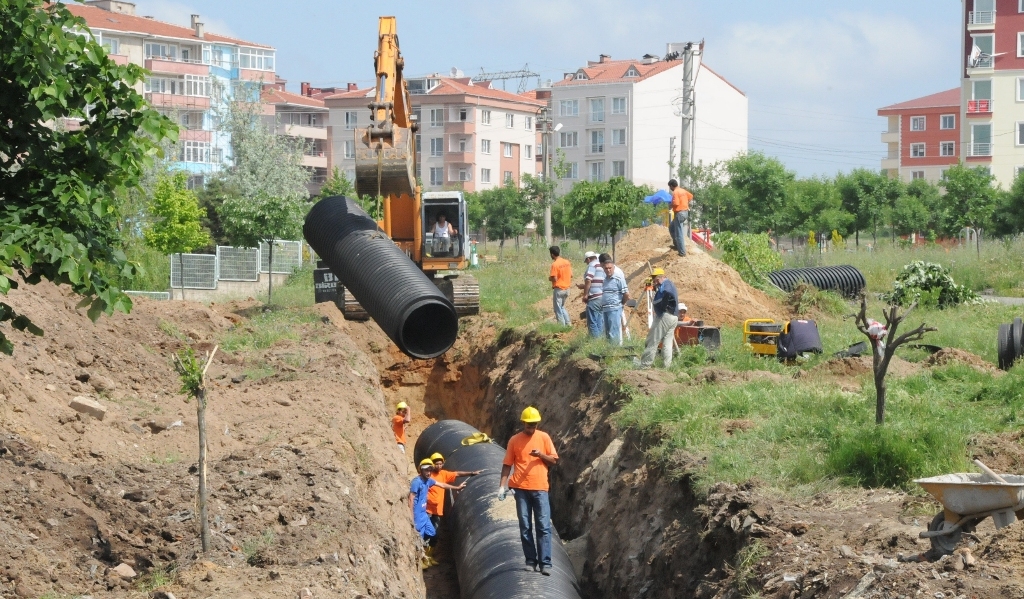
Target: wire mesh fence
pixel 156 295
pixel 287 257
pixel 199 271
pixel 238 264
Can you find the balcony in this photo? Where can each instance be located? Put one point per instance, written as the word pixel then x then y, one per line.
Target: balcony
pixel 457 127
pixel 319 160
pixel 975 107
pixel 310 131
pixel 195 135
pixel 457 157
pixel 981 18
pixel 979 150
pixel 176 67
pixel 256 75
pixel 890 162
pixel 890 137
pixel 118 59
pixel 178 101
pixel 984 62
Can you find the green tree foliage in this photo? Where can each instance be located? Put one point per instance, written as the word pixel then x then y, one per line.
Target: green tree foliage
pixel 58 184
pixel 762 183
pixel 1008 216
pixel 970 198
pixel 705 182
pixel 750 254
pixel 929 284
pixel 869 196
pixel 338 185
pixel 176 227
pixel 505 212
pixel 816 205
pixel 211 197
pixel 605 208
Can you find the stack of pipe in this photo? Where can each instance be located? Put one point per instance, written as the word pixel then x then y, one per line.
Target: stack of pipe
pixel 845 279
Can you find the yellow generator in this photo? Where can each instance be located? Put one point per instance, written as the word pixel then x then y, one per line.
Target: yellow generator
pixel 761 335
pixel 786 341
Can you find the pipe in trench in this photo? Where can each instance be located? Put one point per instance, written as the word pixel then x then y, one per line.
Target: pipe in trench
pixel 403 301
pixel 488 552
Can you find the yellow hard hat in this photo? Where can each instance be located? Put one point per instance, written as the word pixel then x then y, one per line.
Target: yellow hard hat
pixel 436 457
pixel 530 415
pixel 401 405
pixel 426 463
pixel 658 272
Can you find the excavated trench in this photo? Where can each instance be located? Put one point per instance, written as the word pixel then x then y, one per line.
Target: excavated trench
pixel 631 528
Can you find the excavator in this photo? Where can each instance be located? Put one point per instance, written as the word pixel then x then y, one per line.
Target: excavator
pixel 386 168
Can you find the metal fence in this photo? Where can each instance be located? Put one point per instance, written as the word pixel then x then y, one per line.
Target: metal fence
pixel 156 295
pixel 238 264
pixel 287 256
pixel 199 270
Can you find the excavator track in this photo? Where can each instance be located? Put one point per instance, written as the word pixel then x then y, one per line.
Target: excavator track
pixel 463 290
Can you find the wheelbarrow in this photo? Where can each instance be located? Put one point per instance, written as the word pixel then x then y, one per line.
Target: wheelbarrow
pixel 969 498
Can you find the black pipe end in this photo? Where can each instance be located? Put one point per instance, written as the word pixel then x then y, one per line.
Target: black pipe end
pixel 428 329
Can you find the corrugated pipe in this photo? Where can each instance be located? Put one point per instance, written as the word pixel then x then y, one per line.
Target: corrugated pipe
pixel 845 279
pixel 390 287
pixel 487 551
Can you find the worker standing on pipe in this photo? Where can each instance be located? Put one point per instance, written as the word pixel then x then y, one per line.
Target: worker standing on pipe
pixel 680 227
pixel 435 496
pixel 527 458
pixel 560 277
pixel 398 423
pixel 418 492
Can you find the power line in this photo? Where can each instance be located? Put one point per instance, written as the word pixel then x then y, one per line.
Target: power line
pixel 522 75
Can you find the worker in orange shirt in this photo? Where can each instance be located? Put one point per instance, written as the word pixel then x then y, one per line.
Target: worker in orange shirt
pixel 398 423
pixel 435 496
pixel 680 227
pixel 561 278
pixel 527 458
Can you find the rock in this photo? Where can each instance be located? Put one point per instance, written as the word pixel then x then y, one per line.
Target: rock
pixel 123 570
pixel 161 595
pixel 284 401
pixel 969 559
pixel 796 528
pixel 238 379
pixel 159 425
pixel 305 594
pixel 84 358
pixel 209 576
pixel 102 384
pixel 274 575
pixel 846 552
pixel 87 405
pixel 51 387
pixel 52 523
pixel 78 427
pixel 138 495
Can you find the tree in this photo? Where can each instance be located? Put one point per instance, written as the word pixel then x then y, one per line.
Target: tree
pixel 211 197
pixel 704 181
pixel 577 208
pixel 869 196
pixel 505 213
pixel 58 184
pixel 338 185
pixel 270 180
pixel 970 198
pixel 177 228
pixel 816 205
pixel 593 209
pixel 762 183
pixel 884 342
pixel 193 384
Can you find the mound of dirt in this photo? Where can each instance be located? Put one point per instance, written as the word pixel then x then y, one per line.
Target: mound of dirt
pixel 711 290
pixel 952 355
pixel 854 367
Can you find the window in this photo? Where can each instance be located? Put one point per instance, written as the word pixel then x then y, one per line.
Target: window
pixel 458 174
pixel 915 175
pixel 981 140
pixel 194 151
pixel 1020 45
pixel 985 43
pixel 508 177
pixel 161 51
pixel 572 171
pixel 510 121
pixel 436 146
pixel 618 137
pixel 111 44
pixel 568 108
pixel 568 139
pixel 351 119
pixel 618 168
pixel 596 171
pixel 632 72
pixel 437 117
pixel 197 85
pixel 947 148
pixel 436 175
pixel 981 89
pixel 597 141
pixel 252 58
pixel 917 150
pixel 947 121
pixel 419 143
pixel 1020 134
pixel 189 85
pixel 217 155
pixel 1020 86
pixel 597 110
pixel 485 117
pixel 529 123
pixel 527 151
pixel 506 150
pixel 917 123
pixel 462 114
pixel 485 175
pixel 618 106
pixel 350 149
pixel 485 146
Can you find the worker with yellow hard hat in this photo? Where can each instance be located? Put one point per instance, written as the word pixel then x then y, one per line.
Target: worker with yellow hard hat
pixel 525 471
pixel 399 421
pixel 418 491
pixel 666 317
pixel 435 497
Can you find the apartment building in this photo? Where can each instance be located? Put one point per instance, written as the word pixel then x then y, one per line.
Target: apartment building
pixel 304 118
pixel 621 118
pixel 472 136
pixel 922 137
pixel 193 74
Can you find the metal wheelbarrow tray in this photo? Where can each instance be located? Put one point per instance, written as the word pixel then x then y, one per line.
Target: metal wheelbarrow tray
pixel 967 499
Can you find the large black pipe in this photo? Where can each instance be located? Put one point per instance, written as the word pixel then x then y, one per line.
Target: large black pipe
pixel 390 287
pixel 845 279
pixel 485 532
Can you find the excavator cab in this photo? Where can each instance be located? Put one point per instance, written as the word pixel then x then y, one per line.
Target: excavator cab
pixel 443 250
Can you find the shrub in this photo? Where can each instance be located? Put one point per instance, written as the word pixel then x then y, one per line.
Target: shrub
pixel 889 456
pixel 751 255
pixel 929 284
pixel 806 297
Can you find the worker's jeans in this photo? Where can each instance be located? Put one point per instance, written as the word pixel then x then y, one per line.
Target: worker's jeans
pixel 558 299
pixel 680 230
pixel 534 513
pixel 662 331
pixel 612 320
pixel 595 321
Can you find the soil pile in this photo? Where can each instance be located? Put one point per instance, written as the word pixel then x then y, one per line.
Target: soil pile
pixel 711 290
pixel 307 487
pixel 953 355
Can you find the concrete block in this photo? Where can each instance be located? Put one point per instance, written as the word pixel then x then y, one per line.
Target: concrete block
pixel 87 405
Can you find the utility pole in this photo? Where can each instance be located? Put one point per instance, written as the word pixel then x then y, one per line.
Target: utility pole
pixel 691 50
pixel 544 122
pixel 672 157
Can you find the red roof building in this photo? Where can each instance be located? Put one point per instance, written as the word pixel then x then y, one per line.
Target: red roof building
pixel 302 117
pixel 922 136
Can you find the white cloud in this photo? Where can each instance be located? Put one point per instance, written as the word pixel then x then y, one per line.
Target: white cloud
pixel 180 14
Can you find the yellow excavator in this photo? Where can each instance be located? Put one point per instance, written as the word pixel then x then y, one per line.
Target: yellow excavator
pixel 386 168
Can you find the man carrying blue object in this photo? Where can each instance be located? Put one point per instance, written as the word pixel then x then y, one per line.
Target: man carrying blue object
pixel 418 504
pixel 666 309
pixel 614 294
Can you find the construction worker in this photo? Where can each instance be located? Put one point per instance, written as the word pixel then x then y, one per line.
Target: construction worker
pixel 398 423
pixel 592 291
pixel 614 295
pixel 561 278
pixel 680 227
pixel 418 491
pixel 435 497
pixel 666 302
pixel 527 458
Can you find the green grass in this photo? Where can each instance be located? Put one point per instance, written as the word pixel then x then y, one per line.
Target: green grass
pixel 297 291
pixel 513 286
pixel 255 548
pixel 267 328
pixel 158 577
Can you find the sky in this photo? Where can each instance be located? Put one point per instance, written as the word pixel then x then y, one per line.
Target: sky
pixel 815 73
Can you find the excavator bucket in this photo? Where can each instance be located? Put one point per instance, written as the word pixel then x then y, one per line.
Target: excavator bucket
pixel 384 165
